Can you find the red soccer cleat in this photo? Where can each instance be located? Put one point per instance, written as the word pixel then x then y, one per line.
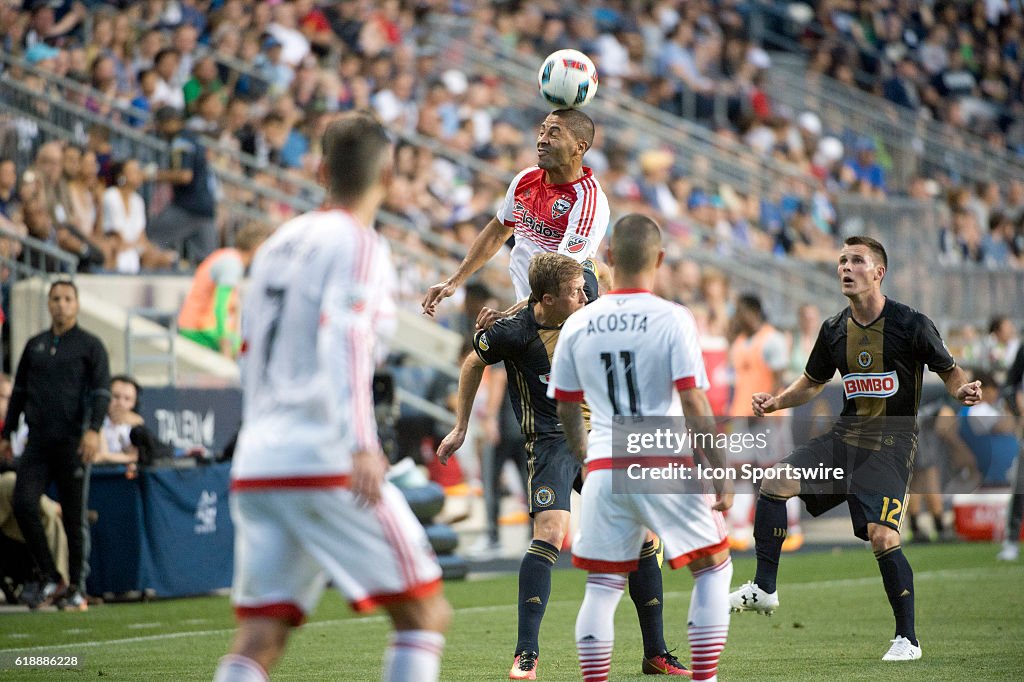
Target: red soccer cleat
pixel 665 664
pixel 525 666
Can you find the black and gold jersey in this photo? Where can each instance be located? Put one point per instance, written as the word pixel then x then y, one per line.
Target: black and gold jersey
pixel 526 349
pixel 881 364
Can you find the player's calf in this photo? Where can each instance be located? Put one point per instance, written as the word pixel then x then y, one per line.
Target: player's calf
pixel 414 653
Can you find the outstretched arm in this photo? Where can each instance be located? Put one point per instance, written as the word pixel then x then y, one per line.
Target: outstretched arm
pixel 801 391
pixel 483 249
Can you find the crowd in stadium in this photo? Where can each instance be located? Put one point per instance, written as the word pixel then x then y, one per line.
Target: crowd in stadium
pixel 310 61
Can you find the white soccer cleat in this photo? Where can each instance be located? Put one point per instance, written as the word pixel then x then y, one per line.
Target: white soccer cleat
pixel 1009 552
pixel 750 597
pixel 902 650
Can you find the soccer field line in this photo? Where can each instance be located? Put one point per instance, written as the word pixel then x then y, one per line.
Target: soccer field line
pixel 923 575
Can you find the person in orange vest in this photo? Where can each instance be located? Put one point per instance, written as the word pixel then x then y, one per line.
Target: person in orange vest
pixel 759 356
pixel 209 315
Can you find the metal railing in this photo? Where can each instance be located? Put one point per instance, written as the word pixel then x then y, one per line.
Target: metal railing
pixel 917 145
pixel 951 295
pixel 700 152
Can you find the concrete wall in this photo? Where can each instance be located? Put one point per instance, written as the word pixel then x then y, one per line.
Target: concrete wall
pixel 106 299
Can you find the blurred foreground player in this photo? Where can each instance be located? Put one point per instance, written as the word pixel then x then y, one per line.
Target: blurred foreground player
pixel 631 354
pixel 880 348
pixel 309 500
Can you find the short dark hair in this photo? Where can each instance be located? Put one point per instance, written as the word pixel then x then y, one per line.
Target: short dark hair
pixel 127 379
pixel 163 52
pixel 752 303
pixel 873 245
pixel 62 283
pixel 635 243
pixel 581 125
pixel 355 148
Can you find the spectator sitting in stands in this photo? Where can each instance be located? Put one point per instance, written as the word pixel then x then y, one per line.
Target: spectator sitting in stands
pixel 124 224
pixel 168 93
pixel 205 80
pixel 863 174
pixel 209 109
pixel 116 444
pixel 8 187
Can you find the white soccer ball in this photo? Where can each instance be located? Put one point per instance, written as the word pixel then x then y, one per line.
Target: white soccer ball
pixel 568 78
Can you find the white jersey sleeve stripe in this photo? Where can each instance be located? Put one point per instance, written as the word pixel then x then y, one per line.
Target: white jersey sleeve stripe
pixel 583 229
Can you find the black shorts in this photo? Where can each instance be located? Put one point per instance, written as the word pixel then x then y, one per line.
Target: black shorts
pixel 554 473
pixel 874 482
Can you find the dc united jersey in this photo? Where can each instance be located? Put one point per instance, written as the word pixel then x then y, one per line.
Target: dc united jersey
pixel 628 354
pixel 319 296
pixel 570 219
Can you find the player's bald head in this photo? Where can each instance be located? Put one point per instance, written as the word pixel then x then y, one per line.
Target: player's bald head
pixel 635 244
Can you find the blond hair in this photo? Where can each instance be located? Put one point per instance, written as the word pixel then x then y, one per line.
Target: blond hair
pixel 549 271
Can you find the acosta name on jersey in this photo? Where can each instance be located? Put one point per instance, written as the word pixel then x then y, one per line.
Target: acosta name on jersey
pixel 871 385
pixel 618 322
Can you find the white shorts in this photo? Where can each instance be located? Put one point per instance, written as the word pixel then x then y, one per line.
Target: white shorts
pixel 613 526
pixel 289 543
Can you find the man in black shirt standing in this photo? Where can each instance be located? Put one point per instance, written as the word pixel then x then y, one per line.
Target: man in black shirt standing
pixel 63 388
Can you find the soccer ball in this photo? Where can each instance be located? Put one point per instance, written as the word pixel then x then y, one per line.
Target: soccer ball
pixel 568 78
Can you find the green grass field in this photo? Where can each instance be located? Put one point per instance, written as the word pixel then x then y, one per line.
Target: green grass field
pixel 834 622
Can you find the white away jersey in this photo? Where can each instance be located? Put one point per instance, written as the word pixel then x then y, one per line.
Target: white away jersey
pixel 627 354
pixel 319 293
pixel 570 219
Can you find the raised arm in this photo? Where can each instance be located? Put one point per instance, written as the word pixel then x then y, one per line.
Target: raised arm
pixel 483 249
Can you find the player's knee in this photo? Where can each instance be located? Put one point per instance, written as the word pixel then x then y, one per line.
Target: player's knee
pixel 431 613
pixel 779 484
pixel 882 537
pixel 551 527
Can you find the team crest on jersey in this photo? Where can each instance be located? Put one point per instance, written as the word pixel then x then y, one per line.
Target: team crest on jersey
pixel 864 359
pixel 871 385
pixel 559 208
pixel 543 496
pixel 544 378
pixel 576 244
pixel 482 342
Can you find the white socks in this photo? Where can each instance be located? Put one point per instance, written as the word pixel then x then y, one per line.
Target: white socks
pixel 595 624
pixel 235 668
pixel 709 618
pixel 413 656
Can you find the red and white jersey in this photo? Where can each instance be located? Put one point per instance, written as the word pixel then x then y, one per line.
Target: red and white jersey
pixel 320 293
pixel 627 354
pixel 571 219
